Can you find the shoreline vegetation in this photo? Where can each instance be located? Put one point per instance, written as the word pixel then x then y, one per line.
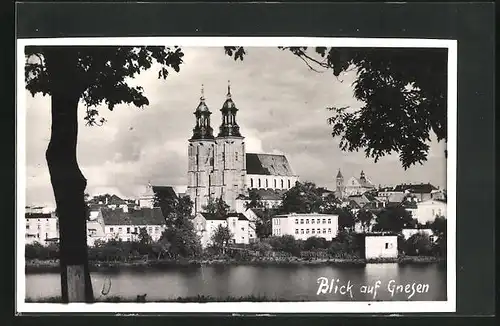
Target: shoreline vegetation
pixel 49 266
pixel 192 299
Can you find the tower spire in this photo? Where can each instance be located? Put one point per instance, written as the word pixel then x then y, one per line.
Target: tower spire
pixel 228 90
pixel 202 97
pixel 229 126
pixel 202 129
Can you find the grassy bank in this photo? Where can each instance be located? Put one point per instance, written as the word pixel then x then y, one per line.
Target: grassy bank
pixel 48 266
pixel 197 299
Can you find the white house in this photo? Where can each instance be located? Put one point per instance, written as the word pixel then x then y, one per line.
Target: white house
pixel 303 226
pixel 408 233
pixel 381 246
pixel 241 229
pixel 126 225
pixel 41 227
pixel 427 210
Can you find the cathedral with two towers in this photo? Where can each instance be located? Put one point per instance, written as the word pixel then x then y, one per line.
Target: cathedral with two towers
pixel 218 165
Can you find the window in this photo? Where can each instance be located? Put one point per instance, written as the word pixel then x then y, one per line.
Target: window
pixel 110 229
pixel 251 182
pixel 157 229
pixel 267 186
pixel 307 231
pixel 313 231
pixel 301 221
pixel 128 230
pixel 307 221
pixel 301 231
pixel 242 229
pixel 319 231
pixel 296 231
pixel 329 221
pixel 136 230
pixel 329 230
pixel 274 183
pixel 27 227
pixel 150 230
pixel 288 183
pixel 318 221
pixel 296 221
pixel 386 245
pixel 281 183
pixel 47 220
pixel 324 221
pixel 119 229
pixel 324 231
pixel 259 183
pixel 236 156
pixel 312 221
pixel 46 235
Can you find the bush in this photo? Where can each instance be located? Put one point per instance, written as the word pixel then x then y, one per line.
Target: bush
pixel 286 243
pixel 418 244
pixel 315 243
pixel 38 251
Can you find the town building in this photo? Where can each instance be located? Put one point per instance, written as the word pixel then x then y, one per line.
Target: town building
pixel 206 224
pixel 380 245
pixel 303 226
pixel 418 192
pixel 42 228
pixel 219 167
pixel 353 186
pixel 428 210
pixel 126 225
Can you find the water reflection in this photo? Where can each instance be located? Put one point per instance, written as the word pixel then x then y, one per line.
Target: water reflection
pixel 280 282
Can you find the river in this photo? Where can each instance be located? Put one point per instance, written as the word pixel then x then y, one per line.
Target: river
pixel 287 282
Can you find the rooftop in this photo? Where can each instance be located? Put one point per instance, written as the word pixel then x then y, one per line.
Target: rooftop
pixel 143 216
pixel 268 164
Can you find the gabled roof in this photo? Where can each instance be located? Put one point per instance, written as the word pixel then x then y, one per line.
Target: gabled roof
pixel 268 164
pixel 359 200
pixel 166 191
pixel 270 194
pixel 37 215
pixel 143 216
pixel 212 217
pixel 259 212
pixel 240 216
pixel 423 188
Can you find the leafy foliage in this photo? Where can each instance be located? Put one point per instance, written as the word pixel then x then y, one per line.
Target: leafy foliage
pixel 181 240
pixel 217 207
pixel 307 198
pixel 403 92
pixel 221 238
pixel 346 218
pixel 345 245
pixel 393 219
pixel 365 218
pixel 100 73
pixel 418 244
pixel 175 210
pixel 286 243
pixel 312 243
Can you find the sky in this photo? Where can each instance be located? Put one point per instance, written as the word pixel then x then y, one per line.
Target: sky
pixel 282 109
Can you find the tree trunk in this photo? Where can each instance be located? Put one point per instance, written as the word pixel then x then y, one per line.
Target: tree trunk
pixel 68 182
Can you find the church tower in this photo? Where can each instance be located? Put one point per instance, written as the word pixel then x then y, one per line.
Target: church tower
pixel 201 157
pixel 230 165
pixel 339 185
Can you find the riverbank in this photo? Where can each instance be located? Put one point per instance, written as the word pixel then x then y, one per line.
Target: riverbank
pixel 50 266
pixel 195 299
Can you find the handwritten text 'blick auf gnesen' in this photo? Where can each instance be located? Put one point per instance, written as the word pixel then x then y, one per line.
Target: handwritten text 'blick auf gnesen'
pixel 329 286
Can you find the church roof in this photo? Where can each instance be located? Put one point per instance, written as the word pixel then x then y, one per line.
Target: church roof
pixel 270 194
pixel 268 164
pixel 144 216
pixel 165 191
pixel 339 174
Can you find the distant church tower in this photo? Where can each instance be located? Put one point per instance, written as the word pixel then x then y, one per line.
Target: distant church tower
pixel 340 187
pixel 201 157
pixel 230 165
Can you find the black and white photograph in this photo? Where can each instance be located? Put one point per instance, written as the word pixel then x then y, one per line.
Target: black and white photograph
pixel 236 174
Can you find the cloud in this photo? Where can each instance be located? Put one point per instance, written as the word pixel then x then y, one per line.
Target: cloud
pixel 282 109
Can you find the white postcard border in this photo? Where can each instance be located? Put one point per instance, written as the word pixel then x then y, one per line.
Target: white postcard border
pixel 242 307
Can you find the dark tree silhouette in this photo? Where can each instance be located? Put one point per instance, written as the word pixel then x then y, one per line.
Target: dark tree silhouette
pixel 92 75
pixel 404 96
